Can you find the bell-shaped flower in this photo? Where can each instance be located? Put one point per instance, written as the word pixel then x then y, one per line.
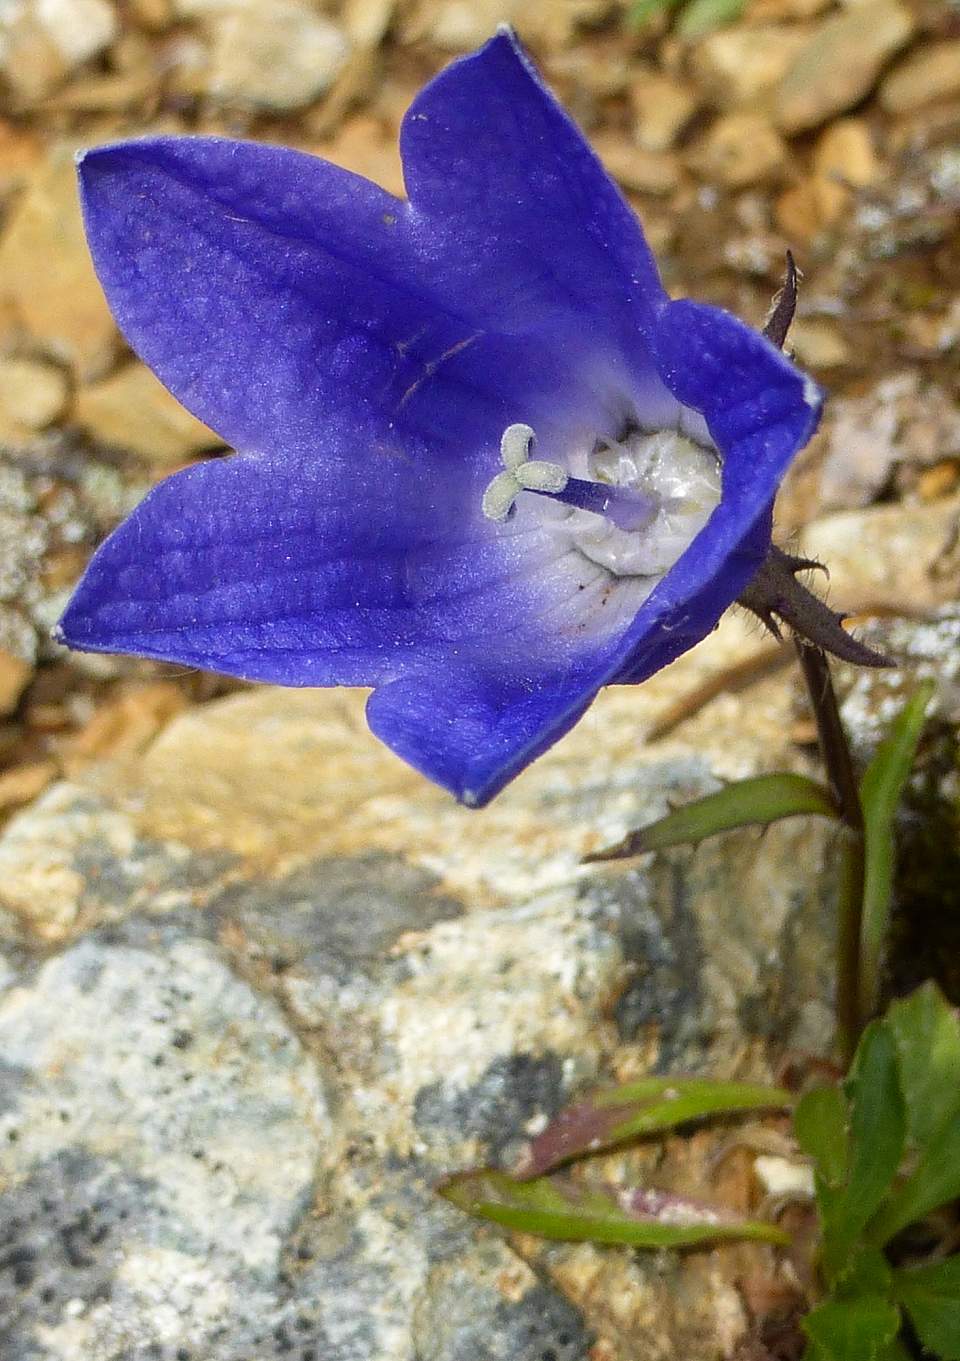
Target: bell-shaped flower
pixel 486 466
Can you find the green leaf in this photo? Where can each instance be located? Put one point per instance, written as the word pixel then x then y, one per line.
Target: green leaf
pixel 703 16
pixel 877 1132
pixel 931 1296
pixel 820 1126
pixel 860 1329
pixel 867 1273
pixel 926 1032
pixel 934 1182
pixel 880 792
pixel 650 1106
pixel 555 1208
pixel 746 803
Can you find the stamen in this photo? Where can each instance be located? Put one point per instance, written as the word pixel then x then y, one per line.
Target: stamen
pixel 628 510
pixel 515 445
pixel 521 474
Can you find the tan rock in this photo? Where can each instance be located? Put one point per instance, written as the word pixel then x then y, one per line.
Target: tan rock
pixel 662 107
pixel 891 557
pixel 32 393
pixel 741 149
pixel 598 72
pixel 41 41
pixel 30 61
pixel 743 66
pixel 364 145
pixel 925 76
pixel 840 63
pixel 844 159
pixel 776 11
pixel 641 172
pixel 125 725
pixel 15 672
pixel 798 211
pixel 845 152
pixel 20 151
pixel 133 410
pixel 46 276
pixel 817 344
pixel 281 56
pixel 154 15
pixel 366 21
pixel 459 25
pixel 24 783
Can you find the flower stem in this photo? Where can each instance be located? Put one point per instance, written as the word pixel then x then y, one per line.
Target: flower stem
pixel 838 761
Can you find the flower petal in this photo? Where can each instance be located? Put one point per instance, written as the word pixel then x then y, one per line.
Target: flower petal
pixel 274 294
pixel 473 726
pixel 527 222
pixel 327 576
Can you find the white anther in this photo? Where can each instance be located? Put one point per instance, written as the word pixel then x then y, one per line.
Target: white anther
pixel 541 476
pixel 500 495
pixel 521 474
pixel 515 445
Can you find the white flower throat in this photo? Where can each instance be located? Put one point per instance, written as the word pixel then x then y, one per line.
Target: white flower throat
pixel 646 499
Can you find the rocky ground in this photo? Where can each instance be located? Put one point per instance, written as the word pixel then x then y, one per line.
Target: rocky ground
pixel 260 986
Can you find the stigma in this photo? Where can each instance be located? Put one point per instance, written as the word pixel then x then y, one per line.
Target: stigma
pixel 647 497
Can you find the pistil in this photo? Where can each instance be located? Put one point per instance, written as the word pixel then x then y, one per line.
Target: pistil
pixel 627 509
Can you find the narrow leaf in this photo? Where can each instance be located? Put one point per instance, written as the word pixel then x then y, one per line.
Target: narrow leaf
pixel 931 1296
pixel 880 790
pixel 703 16
pixel 746 803
pixel 926 1032
pixel 647 1107
pixel 820 1125
pixel 554 1208
pixel 876 1139
pixel 853 1330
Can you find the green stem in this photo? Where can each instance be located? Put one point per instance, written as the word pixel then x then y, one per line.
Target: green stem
pixel 838 761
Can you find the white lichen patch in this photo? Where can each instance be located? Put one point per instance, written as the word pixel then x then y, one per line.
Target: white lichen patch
pixel 169 1065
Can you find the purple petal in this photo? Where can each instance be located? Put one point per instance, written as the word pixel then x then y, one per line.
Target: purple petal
pixel 275 294
pixel 473 725
pixel 528 223
pixel 320 577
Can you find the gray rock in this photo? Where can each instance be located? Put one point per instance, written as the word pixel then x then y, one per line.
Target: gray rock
pixel 295 986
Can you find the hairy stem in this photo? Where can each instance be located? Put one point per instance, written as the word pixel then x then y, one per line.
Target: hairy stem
pixel 835 751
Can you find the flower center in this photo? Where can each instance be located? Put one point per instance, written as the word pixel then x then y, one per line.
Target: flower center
pixel 647 497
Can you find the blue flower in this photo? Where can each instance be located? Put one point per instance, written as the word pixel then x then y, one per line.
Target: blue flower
pixel 481 451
